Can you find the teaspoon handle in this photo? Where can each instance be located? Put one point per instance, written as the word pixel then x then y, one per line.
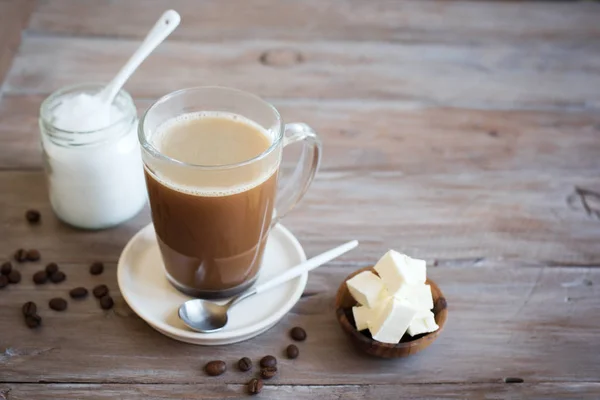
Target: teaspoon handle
pixel 306 266
pixel 295 272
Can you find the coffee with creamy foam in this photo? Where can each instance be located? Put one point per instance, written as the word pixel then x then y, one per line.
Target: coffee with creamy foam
pixel 212 224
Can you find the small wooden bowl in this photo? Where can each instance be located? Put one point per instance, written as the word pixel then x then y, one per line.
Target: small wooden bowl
pixel 408 345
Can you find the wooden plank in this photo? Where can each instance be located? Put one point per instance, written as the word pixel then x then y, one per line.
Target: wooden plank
pixel 284 392
pixel 388 137
pixel 356 20
pixel 534 323
pixel 480 218
pixel 465 76
pixel 14 15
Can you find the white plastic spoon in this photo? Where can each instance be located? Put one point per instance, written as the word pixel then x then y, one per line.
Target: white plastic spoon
pixel 165 25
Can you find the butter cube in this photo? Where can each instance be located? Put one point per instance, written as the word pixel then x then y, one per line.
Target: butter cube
pixel 367 289
pixel 392 321
pixel 422 314
pixel 418 295
pixel 424 324
pixel 396 269
pixel 363 315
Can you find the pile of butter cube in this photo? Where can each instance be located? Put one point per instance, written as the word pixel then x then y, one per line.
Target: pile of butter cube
pixel 396 302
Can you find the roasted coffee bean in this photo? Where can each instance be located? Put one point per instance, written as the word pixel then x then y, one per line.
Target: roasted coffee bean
pixel 29 308
pixel 100 291
pixel 58 304
pixel 440 304
pixel 33 255
pixel 78 293
pixel 20 255
pixel 33 216
pixel 298 334
pixel 268 372
pixel 106 302
pixel 6 268
pixel 255 386
pixel 40 277
pixel 215 368
pixel 268 361
pixel 51 268
pixel 245 364
pixel 96 268
pixel 14 276
pixel 3 281
pixel 58 277
pixel 33 321
pixel 292 351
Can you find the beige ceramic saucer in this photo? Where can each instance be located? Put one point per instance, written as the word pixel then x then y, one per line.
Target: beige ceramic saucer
pixel 145 288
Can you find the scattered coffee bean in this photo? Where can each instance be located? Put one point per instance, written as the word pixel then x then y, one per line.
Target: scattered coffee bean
pixel 14 276
pixel 268 372
pixel 96 268
pixel 29 309
pixel 33 321
pixel 40 277
pixel 58 304
pixel 51 268
pixel 440 304
pixel 3 281
pixel 33 255
pixel 268 361
pixel 215 368
pixel 33 216
pixel 20 255
pixel 298 334
pixel 6 268
pixel 58 277
pixel 78 293
pixel 107 302
pixel 100 291
pixel 292 351
pixel 245 364
pixel 255 386
pixel 514 380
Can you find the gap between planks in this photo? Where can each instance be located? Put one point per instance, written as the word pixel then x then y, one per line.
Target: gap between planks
pixel 316 385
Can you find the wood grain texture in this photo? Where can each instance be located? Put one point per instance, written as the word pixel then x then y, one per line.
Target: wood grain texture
pixel 14 15
pixel 459 75
pixel 506 321
pixel 348 20
pixel 299 392
pixel 474 219
pixel 465 133
pixel 388 137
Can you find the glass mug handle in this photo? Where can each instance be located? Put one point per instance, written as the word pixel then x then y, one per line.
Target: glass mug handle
pixel 305 170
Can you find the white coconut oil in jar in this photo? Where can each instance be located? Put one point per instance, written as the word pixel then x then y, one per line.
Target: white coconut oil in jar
pixel 92 157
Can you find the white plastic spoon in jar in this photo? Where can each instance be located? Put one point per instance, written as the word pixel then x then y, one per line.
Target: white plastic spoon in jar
pixel 165 25
pixel 99 105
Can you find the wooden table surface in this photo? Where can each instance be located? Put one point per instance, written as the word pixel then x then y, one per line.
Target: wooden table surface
pixel 464 133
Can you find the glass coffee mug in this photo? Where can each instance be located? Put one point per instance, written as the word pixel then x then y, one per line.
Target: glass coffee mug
pixel 212 216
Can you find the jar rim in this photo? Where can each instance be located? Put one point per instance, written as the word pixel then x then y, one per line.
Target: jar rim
pixel 81 88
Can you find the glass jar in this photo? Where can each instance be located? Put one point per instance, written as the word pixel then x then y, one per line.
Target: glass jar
pixel 95 178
